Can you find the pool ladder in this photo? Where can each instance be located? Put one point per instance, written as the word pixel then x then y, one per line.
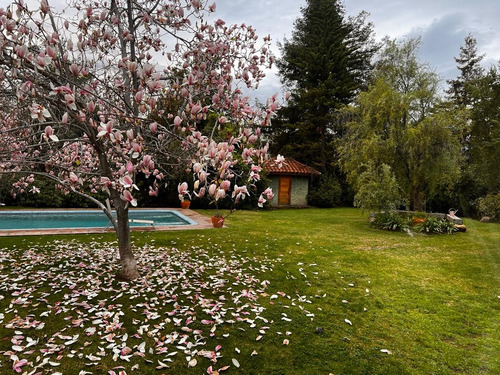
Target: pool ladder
pixel 150 222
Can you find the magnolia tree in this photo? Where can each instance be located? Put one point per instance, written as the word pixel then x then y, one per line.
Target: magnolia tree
pixel 83 92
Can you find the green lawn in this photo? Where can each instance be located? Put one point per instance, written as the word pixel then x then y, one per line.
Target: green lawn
pixel 347 298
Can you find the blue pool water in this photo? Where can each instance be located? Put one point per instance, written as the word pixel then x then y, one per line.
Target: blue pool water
pixel 84 219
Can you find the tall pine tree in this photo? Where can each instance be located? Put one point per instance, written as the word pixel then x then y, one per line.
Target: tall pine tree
pixel 471 90
pixel 469 65
pixel 484 145
pixel 324 65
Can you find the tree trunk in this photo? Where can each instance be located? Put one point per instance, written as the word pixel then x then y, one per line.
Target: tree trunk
pixel 129 265
pixel 418 201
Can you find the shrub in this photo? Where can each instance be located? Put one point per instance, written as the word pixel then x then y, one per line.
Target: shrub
pixel 433 225
pixel 403 222
pixel 448 227
pixel 392 220
pixel 327 193
pixel 490 206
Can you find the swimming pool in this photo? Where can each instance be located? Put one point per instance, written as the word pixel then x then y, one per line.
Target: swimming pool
pixel 71 219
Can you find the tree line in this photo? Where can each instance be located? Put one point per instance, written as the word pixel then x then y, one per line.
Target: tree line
pixel 373 118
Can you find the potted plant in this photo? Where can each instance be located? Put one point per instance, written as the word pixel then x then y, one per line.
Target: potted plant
pixel 218 220
pixel 183 193
pixel 418 218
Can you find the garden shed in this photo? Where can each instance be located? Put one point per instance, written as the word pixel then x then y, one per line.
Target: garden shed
pixel 290 182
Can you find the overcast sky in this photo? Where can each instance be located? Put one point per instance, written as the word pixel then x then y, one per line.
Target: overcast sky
pixel 442 24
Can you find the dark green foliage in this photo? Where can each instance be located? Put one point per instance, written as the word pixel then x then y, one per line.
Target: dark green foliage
pixel 403 222
pixel 48 197
pixel 392 220
pixel 469 64
pixel 377 189
pixel 324 64
pixel 485 130
pixel 433 225
pixel 478 91
pixel 490 206
pixel 326 193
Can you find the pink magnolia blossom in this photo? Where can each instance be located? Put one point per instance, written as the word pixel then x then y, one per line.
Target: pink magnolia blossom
pixel 73 178
pixel 153 191
pixel 129 167
pixel 182 189
pixel 261 201
pixel 212 189
pixel 44 6
pixel 197 167
pixel 225 185
pixel 279 160
pixel 127 182
pixel 39 112
pixel 153 127
pixel 221 194
pixel 127 196
pixel 268 193
pixel 201 193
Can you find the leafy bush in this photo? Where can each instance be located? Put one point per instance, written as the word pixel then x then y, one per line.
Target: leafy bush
pixel 490 206
pixel 433 225
pixel 448 227
pixel 327 193
pixel 402 222
pixel 392 220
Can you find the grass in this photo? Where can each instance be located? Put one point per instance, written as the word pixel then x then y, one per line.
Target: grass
pixel 348 292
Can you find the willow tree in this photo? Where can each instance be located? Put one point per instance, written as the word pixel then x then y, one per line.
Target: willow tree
pixel 401 133
pixel 81 89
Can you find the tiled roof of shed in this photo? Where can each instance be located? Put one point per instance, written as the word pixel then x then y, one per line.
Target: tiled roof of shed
pixel 289 167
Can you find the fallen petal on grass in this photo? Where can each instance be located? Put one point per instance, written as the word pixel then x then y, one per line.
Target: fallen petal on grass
pixel 235 362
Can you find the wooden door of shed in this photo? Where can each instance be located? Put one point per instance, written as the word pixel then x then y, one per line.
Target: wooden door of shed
pixel 284 190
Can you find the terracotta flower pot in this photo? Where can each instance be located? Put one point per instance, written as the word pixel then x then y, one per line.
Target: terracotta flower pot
pixel 417 220
pixel 185 204
pixel 217 221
